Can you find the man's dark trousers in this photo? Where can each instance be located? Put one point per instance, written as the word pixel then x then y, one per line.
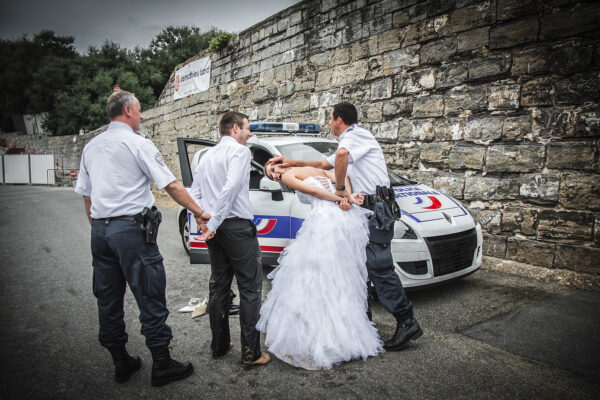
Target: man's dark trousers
pixel 380 267
pixel 120 256
pixel 234 250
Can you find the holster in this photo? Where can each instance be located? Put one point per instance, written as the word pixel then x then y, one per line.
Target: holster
pixel 152 219
pixel 387 195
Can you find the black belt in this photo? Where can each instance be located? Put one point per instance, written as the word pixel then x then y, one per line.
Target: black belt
pixel 369 201
pixel 133 218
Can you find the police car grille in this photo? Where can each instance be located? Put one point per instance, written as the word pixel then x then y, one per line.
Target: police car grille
pixel 450 253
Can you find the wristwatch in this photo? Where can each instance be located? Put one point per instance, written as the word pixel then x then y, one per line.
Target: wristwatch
pixel 340 188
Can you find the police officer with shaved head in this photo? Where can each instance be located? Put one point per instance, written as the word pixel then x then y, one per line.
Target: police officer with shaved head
pixel 114 180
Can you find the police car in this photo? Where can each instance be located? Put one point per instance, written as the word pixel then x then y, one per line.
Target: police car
pixel 436 239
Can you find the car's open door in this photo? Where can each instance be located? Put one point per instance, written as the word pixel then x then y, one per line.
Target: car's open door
pixel 185 161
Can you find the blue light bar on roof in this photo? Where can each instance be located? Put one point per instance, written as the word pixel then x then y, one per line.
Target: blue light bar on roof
pixel 284 127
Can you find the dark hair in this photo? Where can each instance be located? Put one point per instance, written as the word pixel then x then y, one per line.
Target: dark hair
pixel 229 119
pixel 117 101
pixel 347 112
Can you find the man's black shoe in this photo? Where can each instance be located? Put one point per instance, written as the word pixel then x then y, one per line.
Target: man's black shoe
pixel 405 332
pixel 234 309
pixel 165 369
pixel 125 364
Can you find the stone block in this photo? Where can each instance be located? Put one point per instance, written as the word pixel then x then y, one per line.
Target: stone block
pixel 394 61
pixel 580 191
pixel 370 112
pixel 473 39
pixel 540 188
pixel 425 177
pixel 514 157
pixel 450 184
pixel 514 33
pixel 494 245
pixel 578 89
pixel 398 106
pixel 324 79
pixel 489 220
pixel 570 22
pixel 453 74
pixel 408 157
pixel 491 188
pixel 578 258
pixel 473 16
pixel 530 61
pixel 483 129
pixel 571 155
pixel 414 82
pixel 381 89
pixel 570 57
pixel 509 9
pixel 587 124
pixel 503 95
pixel 352 73
pixel 519 219
pixel 262 94
pixel 390 40
pixel 464 97
pixel 537 92
pixel 400 18
pixel 418 129
pixel 365 48
pixel 446 129
pixel 530 251
pixel 380 24
pixel 435 154
pixel 516 128
pixel 428 106
pixel 425 30
pixel 467 157
pixel 374 68
pixel 491 66
pixel 386 132
pixel 553 122
pixel 571 225
pixel 339 56
pixel 439 50
pixel 286 89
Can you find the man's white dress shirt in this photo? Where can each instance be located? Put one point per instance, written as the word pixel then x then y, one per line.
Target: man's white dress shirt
pixel 222 182
pixel 116 169
pixel 366 164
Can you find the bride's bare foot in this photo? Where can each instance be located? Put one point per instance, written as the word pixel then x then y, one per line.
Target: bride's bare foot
pixel 264 359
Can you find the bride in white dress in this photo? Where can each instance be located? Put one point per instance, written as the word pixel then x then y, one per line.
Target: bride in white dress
pixel 315 314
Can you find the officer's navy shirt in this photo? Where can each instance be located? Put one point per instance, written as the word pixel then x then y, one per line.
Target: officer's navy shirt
pixel 366 164
pixel 116 169
pixel 222 182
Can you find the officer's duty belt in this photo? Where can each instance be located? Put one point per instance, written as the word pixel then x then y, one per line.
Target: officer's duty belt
pixel 133 218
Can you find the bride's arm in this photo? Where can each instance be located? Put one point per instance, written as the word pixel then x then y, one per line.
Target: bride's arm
pixel 293 182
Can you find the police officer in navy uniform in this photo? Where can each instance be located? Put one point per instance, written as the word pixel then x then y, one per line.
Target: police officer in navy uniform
pixel 359 156
pixel 114 180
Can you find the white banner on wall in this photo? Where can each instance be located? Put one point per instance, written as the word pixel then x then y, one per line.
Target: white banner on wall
pixel 192 78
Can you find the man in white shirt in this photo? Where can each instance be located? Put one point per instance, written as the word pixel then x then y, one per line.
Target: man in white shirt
pixel 359 156
pixel 221 187
pixel 114 180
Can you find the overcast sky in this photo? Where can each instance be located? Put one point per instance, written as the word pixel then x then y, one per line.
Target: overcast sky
pixel 129 23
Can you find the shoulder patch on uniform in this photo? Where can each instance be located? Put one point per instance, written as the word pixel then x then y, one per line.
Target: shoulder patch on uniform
pixel 159 159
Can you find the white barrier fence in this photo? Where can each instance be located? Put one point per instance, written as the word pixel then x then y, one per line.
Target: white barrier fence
pixel 28 169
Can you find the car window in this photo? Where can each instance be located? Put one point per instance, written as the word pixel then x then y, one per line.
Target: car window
pixel 309 151
pixel 261 156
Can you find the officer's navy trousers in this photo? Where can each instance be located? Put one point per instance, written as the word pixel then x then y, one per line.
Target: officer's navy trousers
pixel 380 267
pixel 234 251
pixel 121 256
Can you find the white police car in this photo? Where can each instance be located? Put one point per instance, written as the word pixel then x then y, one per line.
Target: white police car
pixel 436 239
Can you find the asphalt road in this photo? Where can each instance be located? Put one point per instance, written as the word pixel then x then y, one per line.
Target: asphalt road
pixel 490 335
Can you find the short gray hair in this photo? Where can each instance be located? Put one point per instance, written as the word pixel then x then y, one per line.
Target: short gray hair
pixel 117 102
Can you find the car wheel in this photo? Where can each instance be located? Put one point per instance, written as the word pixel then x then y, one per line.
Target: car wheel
pixel 184 229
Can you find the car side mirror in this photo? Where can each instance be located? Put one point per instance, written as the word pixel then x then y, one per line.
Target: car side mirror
pixel 267 185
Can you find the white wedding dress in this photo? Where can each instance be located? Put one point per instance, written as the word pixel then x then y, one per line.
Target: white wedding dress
pixel 315 314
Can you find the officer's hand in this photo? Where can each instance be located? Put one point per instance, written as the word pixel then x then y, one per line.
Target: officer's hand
pixel 206 235
pixel 202 218
pixel 283 161
pixel 345 194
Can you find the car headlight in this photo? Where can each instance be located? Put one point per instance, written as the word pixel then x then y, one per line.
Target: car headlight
pixel 403 231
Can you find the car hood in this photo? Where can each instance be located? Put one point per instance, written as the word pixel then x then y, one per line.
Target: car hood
pixel 431 212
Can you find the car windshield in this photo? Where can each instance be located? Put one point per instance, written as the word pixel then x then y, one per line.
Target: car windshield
pixel 308 151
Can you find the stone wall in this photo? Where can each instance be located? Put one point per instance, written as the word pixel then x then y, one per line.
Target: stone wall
pixel 495 102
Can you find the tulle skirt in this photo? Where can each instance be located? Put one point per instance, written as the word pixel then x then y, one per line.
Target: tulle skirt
pixel 315 314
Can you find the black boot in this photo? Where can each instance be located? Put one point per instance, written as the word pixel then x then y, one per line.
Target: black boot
pixel 125 364
pixel 165 369
pixel 406 331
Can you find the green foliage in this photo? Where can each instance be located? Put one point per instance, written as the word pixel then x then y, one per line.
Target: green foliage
pixel 219 42
pixel 46 74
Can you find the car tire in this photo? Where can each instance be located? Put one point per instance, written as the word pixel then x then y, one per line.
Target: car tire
pixel 184 230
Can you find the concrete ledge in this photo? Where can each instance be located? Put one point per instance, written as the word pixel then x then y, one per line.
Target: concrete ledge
pixel 565 277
